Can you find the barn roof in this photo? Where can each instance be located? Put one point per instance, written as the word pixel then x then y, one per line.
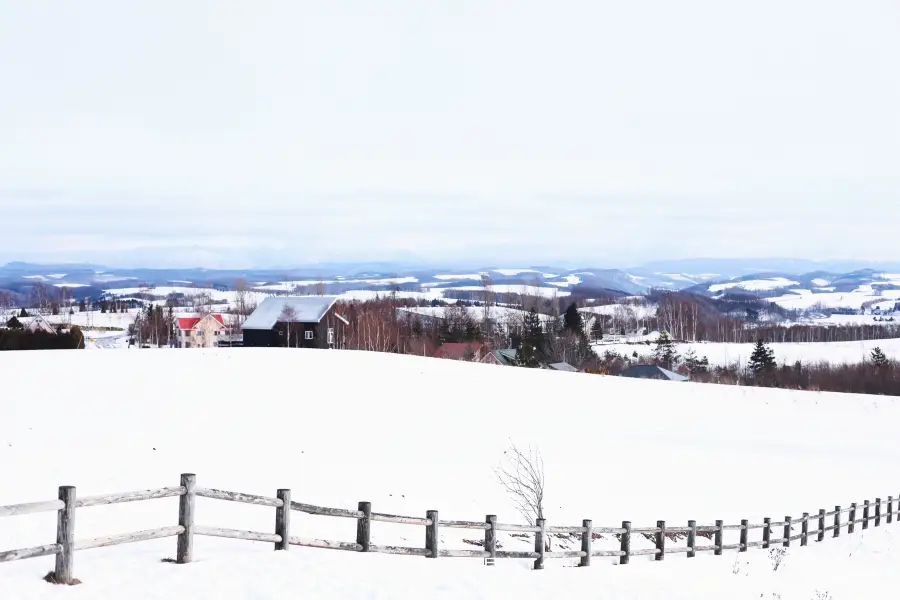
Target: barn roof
pixel 307 309
pixel 652 372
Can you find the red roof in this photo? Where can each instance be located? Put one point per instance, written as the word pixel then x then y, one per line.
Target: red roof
pixel 185 323
pixel 457 350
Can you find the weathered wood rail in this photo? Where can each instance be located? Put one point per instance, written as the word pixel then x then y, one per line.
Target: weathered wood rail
pixel 66 543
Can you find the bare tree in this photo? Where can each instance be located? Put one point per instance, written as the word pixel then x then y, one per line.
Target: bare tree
pixel 288 316
pixel 521 474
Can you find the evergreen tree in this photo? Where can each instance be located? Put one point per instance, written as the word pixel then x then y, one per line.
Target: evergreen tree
pixel 597 330
pixel 665 353
pixel 879 360
pixel 82 307
pixel 762 361
pixel 23 312
pixel 532 344
pixel 572 320
pixel 695 365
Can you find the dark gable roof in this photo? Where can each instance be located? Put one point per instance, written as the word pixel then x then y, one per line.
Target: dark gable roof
pixel 652 372
pixel 308 309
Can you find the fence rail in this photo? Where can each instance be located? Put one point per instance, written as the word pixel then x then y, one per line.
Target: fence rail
pixel 187 492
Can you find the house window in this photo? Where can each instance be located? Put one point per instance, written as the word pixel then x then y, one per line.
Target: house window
pixel 331 335
pixel 309 334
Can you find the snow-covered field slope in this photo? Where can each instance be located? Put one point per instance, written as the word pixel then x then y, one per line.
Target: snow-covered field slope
pixel 411 434
pixel 801 299
pixel 728 354
pixel 754 285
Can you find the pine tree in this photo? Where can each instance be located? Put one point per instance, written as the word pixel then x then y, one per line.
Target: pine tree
pixel 597 330
pixel 665 353
pixel 879 360
pixel 572 320
pixel 532 344
pixel 695 365
pixel 82 307
pixel 762 361
pixel 23 312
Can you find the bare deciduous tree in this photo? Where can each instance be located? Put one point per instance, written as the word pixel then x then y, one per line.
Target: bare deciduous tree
pixel 521 474
pixel 288 316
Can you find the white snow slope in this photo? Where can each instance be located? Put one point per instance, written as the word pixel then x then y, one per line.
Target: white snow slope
pixel 411 434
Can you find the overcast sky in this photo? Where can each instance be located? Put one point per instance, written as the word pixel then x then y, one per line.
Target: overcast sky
pixel 605 132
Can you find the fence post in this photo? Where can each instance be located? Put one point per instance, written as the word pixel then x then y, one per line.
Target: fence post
pixel 837 521
pixel 364 526
pixel 866 515
pixel 431 533
pixel 661 540
pixel 821 524
pixel 890 511
pixel 692 539
pixel 539 543
pixel 185 551
pixel 625 543
pixel 490 539
pixel 851 519
pixel 804 531
pixel 787 533
pixel 65 536
pixel 767 532
pixel 877 512
pixel 587 539
pixel 283 520
pixel 745 532
pixel 719 536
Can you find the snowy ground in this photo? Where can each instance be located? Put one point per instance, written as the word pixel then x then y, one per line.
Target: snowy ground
pixel 411 434
pixel 728 354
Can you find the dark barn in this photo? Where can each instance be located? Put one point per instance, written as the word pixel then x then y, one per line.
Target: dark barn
pixel 295 321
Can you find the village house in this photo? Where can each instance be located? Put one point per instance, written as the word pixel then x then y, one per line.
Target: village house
pixel 198 332
pixel 296 322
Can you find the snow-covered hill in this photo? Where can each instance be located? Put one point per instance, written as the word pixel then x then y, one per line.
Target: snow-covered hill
pixel 412 434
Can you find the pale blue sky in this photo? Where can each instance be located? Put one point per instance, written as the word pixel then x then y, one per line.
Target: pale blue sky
pixel 226 132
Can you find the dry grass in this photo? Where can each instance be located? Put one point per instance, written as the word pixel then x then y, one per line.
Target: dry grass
pixel 51 578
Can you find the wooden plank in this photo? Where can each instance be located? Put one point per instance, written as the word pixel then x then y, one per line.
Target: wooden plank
pixel 514 554
pixel 65 536
pixel 400 519
pixel 877 512
pixel 326 512
pixel 787 532
pixel 129 538
pixel 185 550
pixel 851 521
pixel 767 533
pixel 677 550
pixel 648 530
pixel 733 527
pixel 23 553
pixel 804 535
pixel 731 547
pixel 237 534
pixel 464 553
pixel 600 553
pixel 364 526
pixel 519 528
pixel 123 497
pixel 706 548
pixel 283 520
pixel 577 530
pixel 566 554
pixel 650 552
pixel 431 533
pixel 865 521
pixel 399 550
pixel 821 524
pixel 890 509
pixel 14 510
pixel 238 497
pixel 326 544
pixel 587 539
pixel 465 525
pixel 539 546
pixel 625 543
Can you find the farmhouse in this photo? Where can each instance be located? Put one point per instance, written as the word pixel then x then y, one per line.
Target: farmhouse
pixel 296 322
pixel 198 332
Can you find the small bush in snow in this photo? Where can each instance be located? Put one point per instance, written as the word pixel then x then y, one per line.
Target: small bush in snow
pixel 777 556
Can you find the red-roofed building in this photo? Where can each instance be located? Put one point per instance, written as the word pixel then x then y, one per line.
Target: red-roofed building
pixel 199 332
pixel 471 351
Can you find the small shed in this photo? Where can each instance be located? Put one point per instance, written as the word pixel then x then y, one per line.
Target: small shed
pixel 562 366
pixel 652 372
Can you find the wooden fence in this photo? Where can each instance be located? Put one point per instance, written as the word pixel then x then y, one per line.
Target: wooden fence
pixel 187 491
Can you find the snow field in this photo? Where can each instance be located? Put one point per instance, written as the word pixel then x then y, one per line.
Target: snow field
pixel 411 434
